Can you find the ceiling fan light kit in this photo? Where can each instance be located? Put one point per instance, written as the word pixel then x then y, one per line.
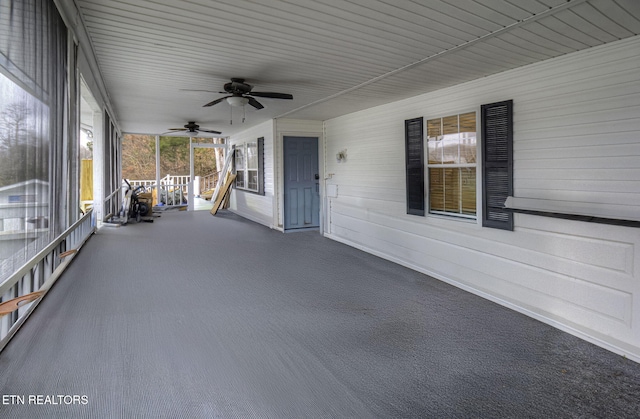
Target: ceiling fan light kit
pixel 237 100
pixel 240 94
pixel 190 130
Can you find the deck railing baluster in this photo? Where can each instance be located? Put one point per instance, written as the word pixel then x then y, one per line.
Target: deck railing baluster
pixel 39 273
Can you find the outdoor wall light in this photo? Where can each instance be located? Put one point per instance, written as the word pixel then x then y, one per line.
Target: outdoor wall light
pixel 341 156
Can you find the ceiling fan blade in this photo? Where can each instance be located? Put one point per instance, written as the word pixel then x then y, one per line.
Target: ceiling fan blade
pixel 198 90
pixel 176 129
pixel 173 131
pixel 210 131
pixel 255 103
pixel 271 95
pixel 215 102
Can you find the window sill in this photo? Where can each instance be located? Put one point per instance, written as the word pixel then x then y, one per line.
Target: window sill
pixel 451 219
pixel 579 211
pixel 249 191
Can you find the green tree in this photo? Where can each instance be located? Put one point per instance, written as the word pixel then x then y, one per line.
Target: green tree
pixel 138 157
pixel 24 154
pixel 174 156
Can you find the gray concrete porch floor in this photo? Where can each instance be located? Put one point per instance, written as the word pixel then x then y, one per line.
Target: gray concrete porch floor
pixel 201 204
pixel 196 316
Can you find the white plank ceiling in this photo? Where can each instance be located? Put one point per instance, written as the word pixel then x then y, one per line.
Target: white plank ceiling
pixel 333 56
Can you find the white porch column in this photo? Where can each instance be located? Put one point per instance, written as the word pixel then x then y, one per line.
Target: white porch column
pixel 196 186
pixel 98 167
pixel 158 168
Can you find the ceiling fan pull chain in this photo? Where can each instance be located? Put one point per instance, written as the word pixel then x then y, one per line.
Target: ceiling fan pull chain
pixel 230 115
pixel 244 113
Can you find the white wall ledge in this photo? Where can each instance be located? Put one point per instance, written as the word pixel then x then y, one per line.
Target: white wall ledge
pixel 581 211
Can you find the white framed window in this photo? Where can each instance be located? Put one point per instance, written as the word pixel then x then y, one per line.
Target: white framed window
pixel 249 166
pixel 251 178
pixel 240 165
pixel 452 170
pixel 452 155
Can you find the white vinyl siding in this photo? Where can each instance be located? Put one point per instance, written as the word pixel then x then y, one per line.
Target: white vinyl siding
pixel 266 209
pixel 576 139
pixel 256 207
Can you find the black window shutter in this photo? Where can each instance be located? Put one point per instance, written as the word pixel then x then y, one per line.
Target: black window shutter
pixel 414 148
pixel 497 163
pixel 261 166
pixel 233 166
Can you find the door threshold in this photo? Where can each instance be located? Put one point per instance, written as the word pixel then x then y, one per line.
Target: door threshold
pixel 296 230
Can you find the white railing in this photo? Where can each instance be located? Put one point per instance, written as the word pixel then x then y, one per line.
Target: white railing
pixel 171 182
pixel 173 189
pixel 145 183
pixel 173 194
pixel 208 182
pixel 112 205
pixel 40 273
pixel 168 179
pixel 37 239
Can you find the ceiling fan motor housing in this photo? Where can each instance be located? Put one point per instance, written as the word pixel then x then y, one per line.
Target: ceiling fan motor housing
pixel 191 128
pixel 241 95
pixel 237 87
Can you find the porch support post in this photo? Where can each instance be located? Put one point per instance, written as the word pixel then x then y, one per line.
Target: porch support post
pixel 190 193
pixel 157 169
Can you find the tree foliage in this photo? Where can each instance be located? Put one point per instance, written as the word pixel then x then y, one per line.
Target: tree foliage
pixel 24 152
pixel 139 158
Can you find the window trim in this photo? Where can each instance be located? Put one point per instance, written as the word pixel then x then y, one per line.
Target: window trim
pixel 260 150
pixel 477 165
pixel 484 164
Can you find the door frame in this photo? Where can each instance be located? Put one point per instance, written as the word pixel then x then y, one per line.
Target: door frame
pixel 278 210
pixel 192 147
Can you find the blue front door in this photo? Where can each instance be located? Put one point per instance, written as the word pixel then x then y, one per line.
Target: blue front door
pixel 301 183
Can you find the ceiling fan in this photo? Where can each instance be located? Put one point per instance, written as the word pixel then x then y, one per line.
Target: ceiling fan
pixel 240 94
pixel 191 130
